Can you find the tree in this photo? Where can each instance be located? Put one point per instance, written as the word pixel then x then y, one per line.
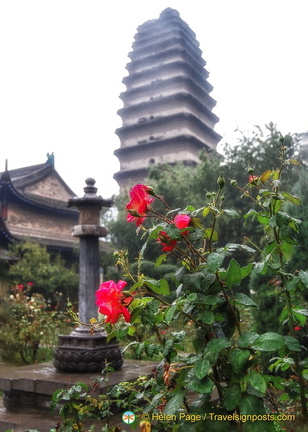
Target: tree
pixel 252 156
pixel 47 273
pixel 180 185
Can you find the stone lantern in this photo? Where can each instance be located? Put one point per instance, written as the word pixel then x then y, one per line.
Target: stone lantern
pixel 82 351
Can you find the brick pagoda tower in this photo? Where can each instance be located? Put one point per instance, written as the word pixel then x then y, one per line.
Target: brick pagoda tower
pixel 167 114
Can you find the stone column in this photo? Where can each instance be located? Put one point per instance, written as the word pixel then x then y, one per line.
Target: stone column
pixel 82 351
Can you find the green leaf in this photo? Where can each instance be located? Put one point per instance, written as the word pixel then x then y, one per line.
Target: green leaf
pixel 214 261
pixel 169 314
pixel 168 347
pixel 303 312
pixel 204 386
pixel 269 342
pixel 265 176
pixel 175 403
pixel 202 367
pixel 122 333
pixel 261 267
pixel 178 336
pixel 158 286
pixel 131 330
pixel 245 271
pixel 287 250
pixel 292 161
pixel 210 233
pixel 262 218
pixel 172 231
pixel 231 247
pixel 196 234
pixel 238 359
pixel 231 213
pixel 292 343
pixel 291 284
pixel 160 259
pixel 207 317
pixel 303 275
pixel 193 281
pixel 251 212
pixel 290 239
pixel 247 339
pixel 299 318
pixel 282 219
pixel 293 199
pixel 205 211
pixel 213 300
pixel 150 349
pixel 251 405
pixel 232 397
pixel 257 381
pixel 214 347
pixel 233 273
pixel 191 297
pixel 244 300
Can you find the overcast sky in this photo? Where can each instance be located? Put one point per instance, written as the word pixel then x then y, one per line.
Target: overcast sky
pixel 63 61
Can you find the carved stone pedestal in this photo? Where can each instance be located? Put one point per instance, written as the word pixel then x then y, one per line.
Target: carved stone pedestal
pixel 83 353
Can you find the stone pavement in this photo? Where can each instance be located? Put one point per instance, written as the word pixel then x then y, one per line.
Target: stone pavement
pixel 29 390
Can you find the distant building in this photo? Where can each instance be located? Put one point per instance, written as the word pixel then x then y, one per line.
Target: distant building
pixel 33 206
pixel 167 114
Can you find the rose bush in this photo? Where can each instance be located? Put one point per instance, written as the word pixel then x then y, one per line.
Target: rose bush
pixel 221 380
pixel 225 360
pixel 29 326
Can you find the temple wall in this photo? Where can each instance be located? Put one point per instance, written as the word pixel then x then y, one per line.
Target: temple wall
pixel 24 222
pixel 50 187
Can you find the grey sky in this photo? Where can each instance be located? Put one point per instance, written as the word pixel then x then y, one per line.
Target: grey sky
pixel 62 63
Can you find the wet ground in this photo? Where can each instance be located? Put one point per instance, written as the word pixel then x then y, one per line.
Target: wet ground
pixel 43 380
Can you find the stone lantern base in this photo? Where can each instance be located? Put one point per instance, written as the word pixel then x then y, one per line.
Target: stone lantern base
pixel 82 352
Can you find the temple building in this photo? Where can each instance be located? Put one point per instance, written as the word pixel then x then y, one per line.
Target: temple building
pixel 33 206
pixel 167 108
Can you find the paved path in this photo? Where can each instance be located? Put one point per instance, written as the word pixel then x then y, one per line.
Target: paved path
pixel 42 379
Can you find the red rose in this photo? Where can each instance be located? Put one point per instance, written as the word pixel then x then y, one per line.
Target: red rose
pixel 166 241
pixel 182 221
pixel 20 287
pixel 297 328
pixel 138 205
pixel 30 283
pixel 111 301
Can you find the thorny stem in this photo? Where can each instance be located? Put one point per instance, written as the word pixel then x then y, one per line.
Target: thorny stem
pixel 181 258
pixel 193 249
pixel 163 201
pixel 237 323
pixel 216 380
pixel 248 195
pixel 214 220
pixel 291 323
pixel 254 245
pixel 191 318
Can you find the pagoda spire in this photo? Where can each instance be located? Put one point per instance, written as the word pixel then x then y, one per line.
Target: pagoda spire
pixel 167 114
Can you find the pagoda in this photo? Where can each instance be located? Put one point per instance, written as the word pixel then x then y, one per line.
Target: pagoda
pixel 33 206
pixel 167 108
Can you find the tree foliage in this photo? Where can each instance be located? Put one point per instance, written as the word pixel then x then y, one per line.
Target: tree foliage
pixel 46 272
pixel 180 185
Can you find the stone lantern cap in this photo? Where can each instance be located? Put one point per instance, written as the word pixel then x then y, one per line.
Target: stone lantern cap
pixel 90 197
